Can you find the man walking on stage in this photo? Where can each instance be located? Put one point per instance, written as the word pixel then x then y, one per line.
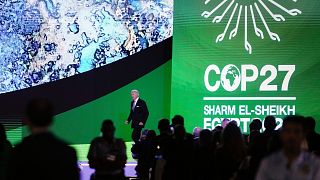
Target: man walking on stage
pixel 138 115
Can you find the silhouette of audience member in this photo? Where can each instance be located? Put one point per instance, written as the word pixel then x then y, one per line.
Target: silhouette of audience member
pixel 255 125
pixel 216 139
pixel 256 152
pixel 256 146
pixel 203 156
pixel 196 133
pixel 164 137
pixel 205 139
pixel 224 123
pixel 271 138
pixel 107 154
pixel 230 155
pixel 177 156
pixel 270 125
pixel 143 136
pixel 218 128
pixel 313 138
pixel 146 148
pixel 162 141
pixel 254 135
pixel 291 162
pixel 5 152
pixel 41 155
pixel 177 120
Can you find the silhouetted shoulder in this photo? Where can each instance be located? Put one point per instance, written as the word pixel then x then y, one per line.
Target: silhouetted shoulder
pixel 119 140
pixel 97 139
pixel 101 139
pixel 42 144
pixel 46 152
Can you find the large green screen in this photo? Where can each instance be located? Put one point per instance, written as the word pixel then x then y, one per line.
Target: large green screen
pixel 241 59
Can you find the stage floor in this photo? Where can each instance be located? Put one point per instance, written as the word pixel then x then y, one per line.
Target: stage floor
pixel 86 171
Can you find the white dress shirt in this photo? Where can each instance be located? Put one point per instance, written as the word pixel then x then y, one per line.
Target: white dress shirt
pixel 135 103
pixel 275 167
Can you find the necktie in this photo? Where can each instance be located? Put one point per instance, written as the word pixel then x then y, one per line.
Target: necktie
pixel 134 105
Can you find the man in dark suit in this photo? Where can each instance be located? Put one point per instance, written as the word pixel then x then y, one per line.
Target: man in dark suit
pixel 138 115
pixel 41 155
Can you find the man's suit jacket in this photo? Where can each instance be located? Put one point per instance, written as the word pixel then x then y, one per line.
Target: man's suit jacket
pixel 139 114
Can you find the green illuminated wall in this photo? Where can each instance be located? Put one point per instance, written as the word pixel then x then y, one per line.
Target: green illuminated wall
pixel 82 124
pixel 200 40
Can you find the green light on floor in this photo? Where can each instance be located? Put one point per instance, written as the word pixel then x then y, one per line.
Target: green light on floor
pixel 82 151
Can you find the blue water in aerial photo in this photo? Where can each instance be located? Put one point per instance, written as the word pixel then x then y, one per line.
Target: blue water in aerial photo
pixel 47 40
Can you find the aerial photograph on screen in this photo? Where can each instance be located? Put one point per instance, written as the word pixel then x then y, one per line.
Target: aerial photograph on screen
pixel 47 40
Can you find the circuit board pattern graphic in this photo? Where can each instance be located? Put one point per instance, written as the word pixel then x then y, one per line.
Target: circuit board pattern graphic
pixel 47 40
pixel 246 13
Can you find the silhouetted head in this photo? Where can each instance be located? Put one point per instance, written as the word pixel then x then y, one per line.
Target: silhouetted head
pixel 231 134
pixel 309 124
pixel 39 113
pixel 164 125
pixel 205 137
pixel 225 122
pixel 177 120
pixel 108 129
pixel 179 132
pixel 255 125
pixel 143 135
pixel 218 128
pixel 216 138
pixel 292 133
pixel 232 142
pixel 270 123
pixel 151 135
pixel 196 132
